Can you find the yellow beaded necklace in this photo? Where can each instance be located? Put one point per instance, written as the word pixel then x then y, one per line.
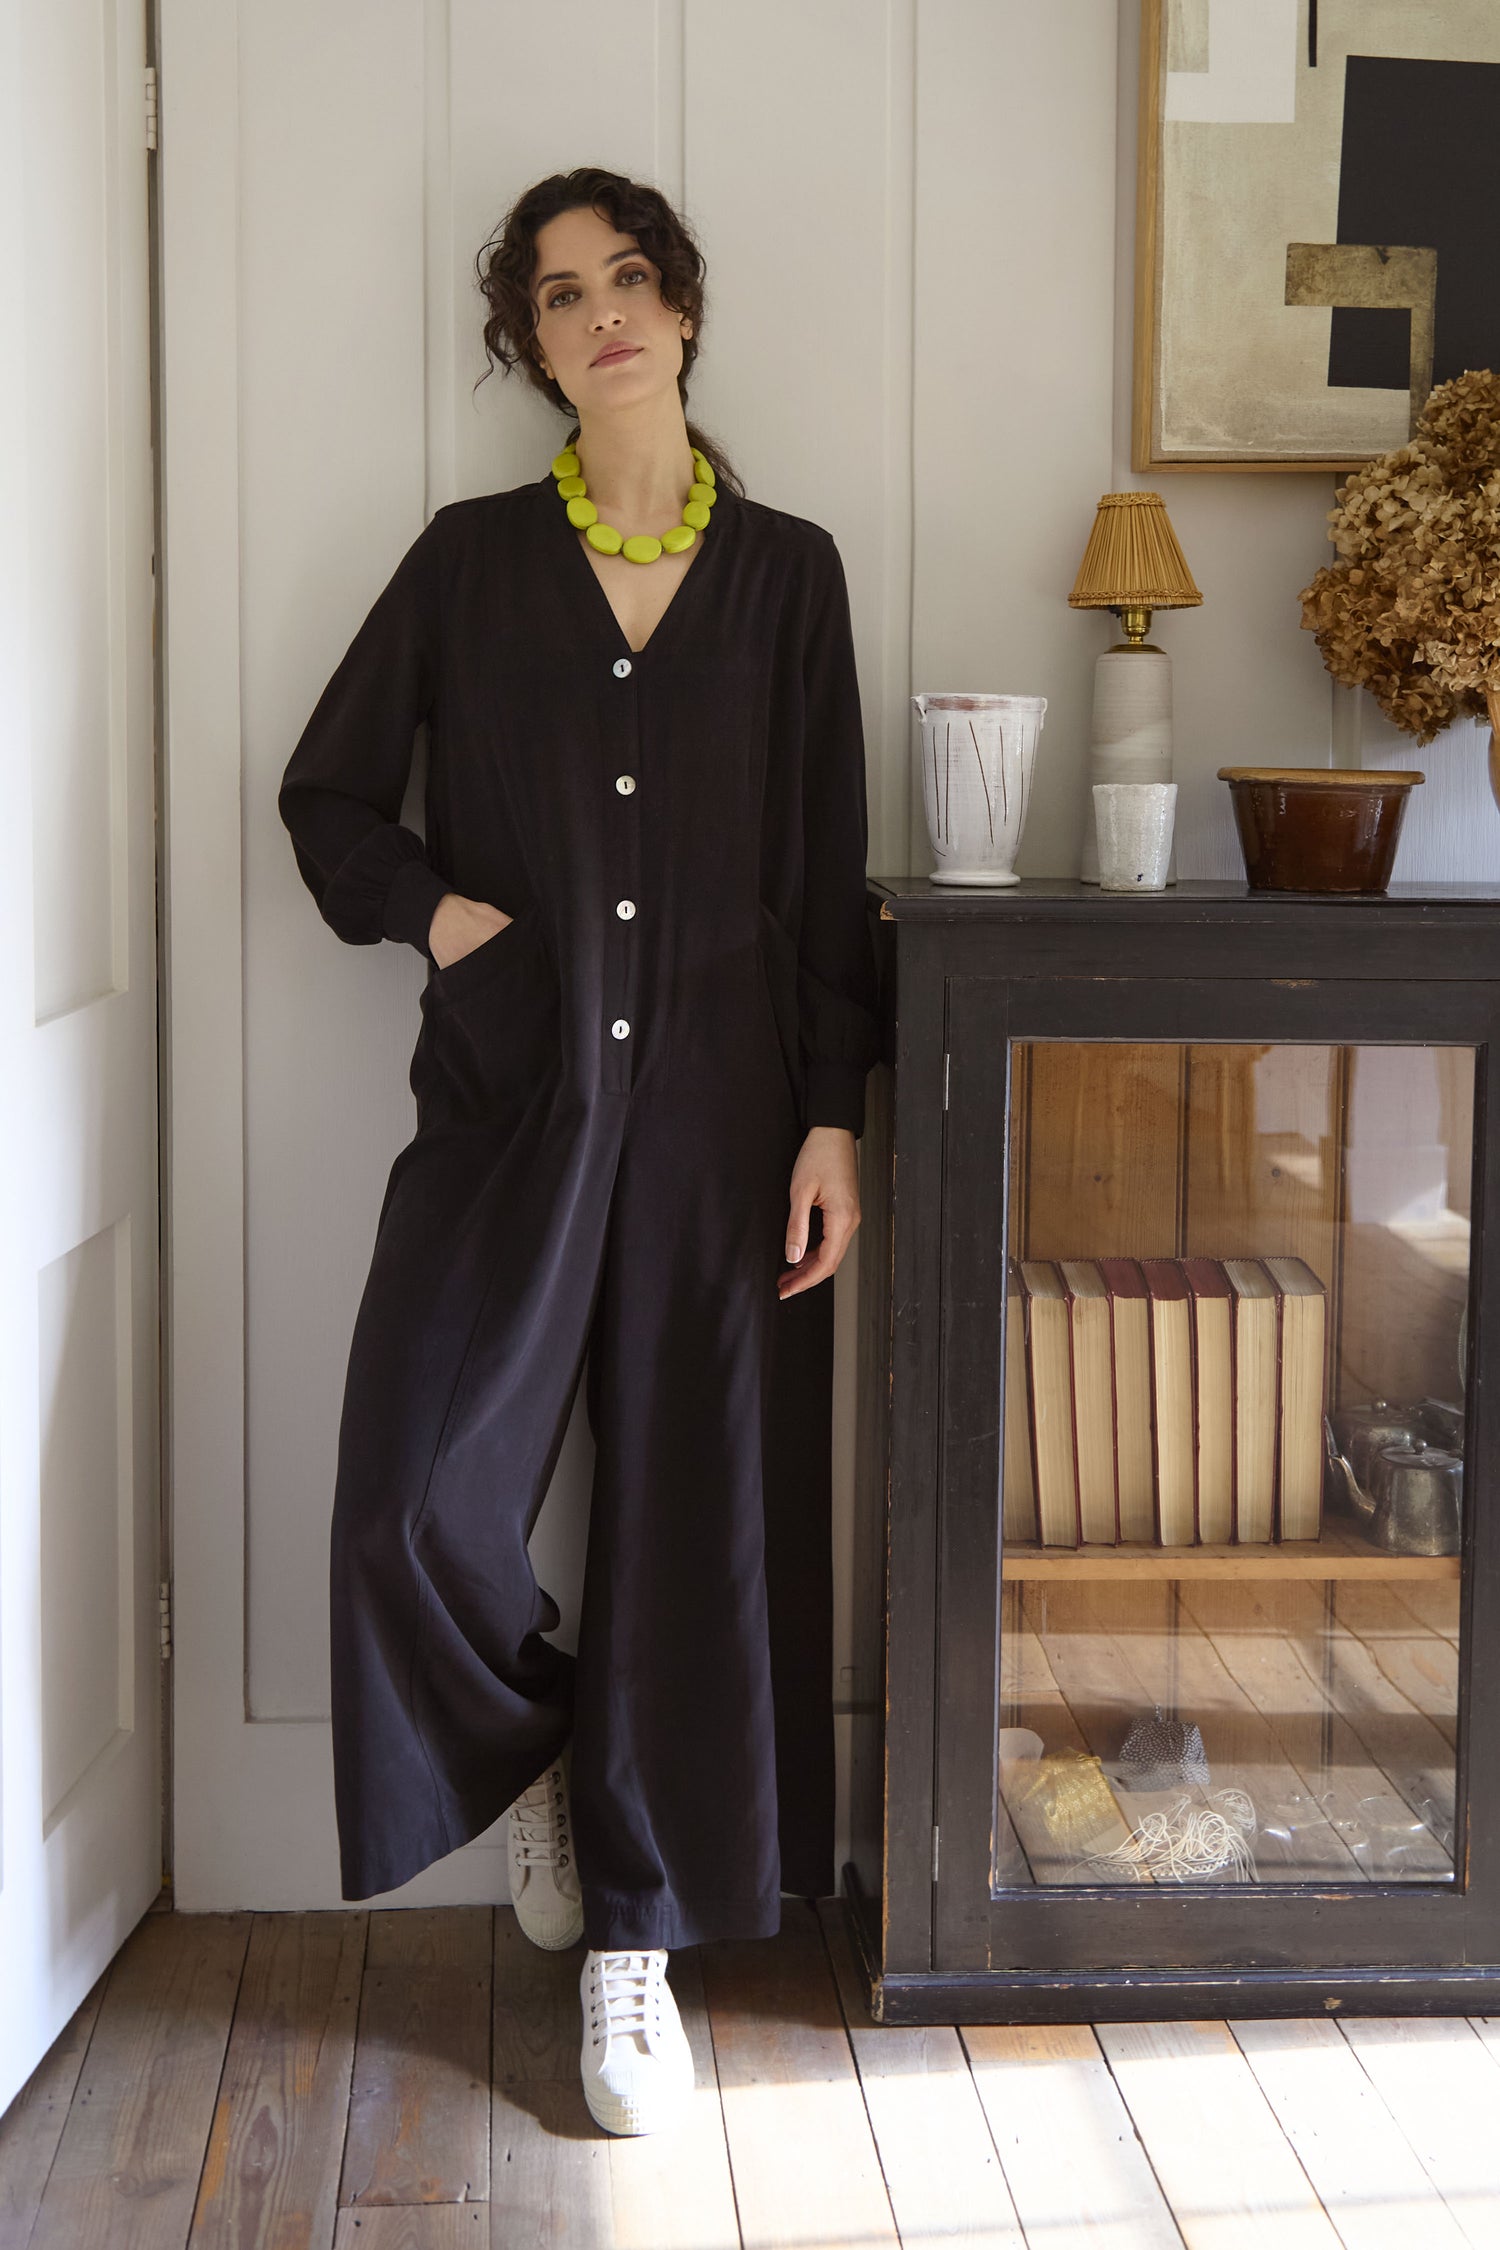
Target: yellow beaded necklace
pixel 643 547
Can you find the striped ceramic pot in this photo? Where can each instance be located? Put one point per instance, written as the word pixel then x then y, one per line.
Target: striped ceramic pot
pixel 978 752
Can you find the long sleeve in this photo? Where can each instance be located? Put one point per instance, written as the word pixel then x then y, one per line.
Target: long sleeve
pixel 344 782
pixel 836 977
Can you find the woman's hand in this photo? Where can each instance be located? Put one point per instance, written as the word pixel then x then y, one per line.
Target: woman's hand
pixel 826 1173
pixel 459 924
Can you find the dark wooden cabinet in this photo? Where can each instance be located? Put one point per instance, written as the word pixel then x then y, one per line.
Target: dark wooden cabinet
pixel 1233 1775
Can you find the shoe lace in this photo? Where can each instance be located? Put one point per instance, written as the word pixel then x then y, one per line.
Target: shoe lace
pixel 539 1827
pixel 628 1993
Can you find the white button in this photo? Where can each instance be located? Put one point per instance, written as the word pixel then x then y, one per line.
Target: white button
pixel 625 783
pixel 622 667
pixel 625 909
pixel 620 1028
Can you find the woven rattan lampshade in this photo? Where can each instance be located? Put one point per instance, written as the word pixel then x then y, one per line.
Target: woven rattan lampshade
pixel 1132 560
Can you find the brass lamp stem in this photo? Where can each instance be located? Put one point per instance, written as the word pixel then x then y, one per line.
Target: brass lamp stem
pixel 1135 623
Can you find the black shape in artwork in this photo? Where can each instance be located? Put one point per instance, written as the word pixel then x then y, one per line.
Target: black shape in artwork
pixel 1420 164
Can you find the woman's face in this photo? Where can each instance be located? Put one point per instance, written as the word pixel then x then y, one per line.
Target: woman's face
pixel 595 292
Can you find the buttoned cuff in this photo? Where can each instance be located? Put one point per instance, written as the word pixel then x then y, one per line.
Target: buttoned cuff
pixel 411 902
pixel 835 1095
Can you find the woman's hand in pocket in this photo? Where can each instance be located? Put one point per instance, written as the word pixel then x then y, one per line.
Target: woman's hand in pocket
pixel 460 924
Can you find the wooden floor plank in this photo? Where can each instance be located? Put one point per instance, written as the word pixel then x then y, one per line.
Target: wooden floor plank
pixel 536 2007
pixel 1421 1665
pixel 1274 1642
pixel 1434 1603
pixel 1441 2083
pixel 419 2106
pixel 128 2162
pixel 550 2162
pixel 560 2178
pixel 1232 2177
pixel 1366 2174
pixel 1075 2168
pixel 806 2172
pixel 1402 1743
pixel 414 2226
pixel 272 2167
pixel 32 2125
pixel 552 2187
pixel 941 2171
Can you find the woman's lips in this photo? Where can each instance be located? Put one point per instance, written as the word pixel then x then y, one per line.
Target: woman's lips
pixel 618 351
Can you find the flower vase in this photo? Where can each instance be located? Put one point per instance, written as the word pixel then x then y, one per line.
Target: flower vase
pixel 978 752
pixel 1492 698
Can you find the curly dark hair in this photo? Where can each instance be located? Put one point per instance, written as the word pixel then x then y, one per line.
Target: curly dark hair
pixel 507 262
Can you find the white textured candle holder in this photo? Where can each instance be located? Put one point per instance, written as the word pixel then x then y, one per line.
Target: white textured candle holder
pixel 1134 822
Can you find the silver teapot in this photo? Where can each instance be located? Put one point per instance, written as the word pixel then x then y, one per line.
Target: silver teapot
pixel 1361 1432
pixel 1363 1429
pixel 1418 1496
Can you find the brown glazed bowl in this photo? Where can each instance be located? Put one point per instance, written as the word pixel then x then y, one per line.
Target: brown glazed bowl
pixel 1318 828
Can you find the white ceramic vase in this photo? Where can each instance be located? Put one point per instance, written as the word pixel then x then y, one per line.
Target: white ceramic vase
pixel 978 752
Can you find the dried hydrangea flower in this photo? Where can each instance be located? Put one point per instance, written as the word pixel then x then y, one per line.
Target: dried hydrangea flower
pixel 1411 608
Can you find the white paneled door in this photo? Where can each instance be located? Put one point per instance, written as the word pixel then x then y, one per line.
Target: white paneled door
pixel 80 1516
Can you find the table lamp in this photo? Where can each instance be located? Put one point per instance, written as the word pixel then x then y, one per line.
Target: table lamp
pixel 1132 565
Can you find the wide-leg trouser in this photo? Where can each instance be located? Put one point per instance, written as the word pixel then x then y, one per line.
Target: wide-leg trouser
pixel 520 1236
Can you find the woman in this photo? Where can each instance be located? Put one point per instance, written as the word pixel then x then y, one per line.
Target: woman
pixel 639 1080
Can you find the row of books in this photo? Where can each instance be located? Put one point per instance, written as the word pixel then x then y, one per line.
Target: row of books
pixel 1165 1400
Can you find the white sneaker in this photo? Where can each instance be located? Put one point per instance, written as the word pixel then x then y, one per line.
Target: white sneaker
pixel 544 1886
pixel 637 2065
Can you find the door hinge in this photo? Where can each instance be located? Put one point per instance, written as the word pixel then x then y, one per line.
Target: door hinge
pixel 936 1834
pixel 151 105
pixel 945 1080
pixel 164 1604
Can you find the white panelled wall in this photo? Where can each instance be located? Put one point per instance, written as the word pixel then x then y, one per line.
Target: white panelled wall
pixel 918 217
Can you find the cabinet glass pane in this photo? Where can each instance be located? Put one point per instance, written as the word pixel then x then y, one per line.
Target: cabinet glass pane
pixel 1235 1366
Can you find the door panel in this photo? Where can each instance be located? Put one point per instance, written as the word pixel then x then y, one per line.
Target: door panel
pixel 80 1502
pixel 1303 1696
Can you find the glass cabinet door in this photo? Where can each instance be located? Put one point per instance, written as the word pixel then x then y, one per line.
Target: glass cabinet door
pixel 1232 1495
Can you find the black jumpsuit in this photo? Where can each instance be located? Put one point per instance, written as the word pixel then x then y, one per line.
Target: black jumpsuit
pixel 611 1092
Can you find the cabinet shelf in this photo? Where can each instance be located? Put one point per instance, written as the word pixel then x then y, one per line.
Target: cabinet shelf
pixel 1338 1554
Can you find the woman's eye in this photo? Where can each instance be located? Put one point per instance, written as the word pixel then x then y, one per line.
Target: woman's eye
pixel 627 273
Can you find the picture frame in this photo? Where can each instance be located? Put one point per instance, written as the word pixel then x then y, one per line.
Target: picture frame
pixel 1314 247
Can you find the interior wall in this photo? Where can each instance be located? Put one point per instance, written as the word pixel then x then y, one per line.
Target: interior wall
pixel 918 217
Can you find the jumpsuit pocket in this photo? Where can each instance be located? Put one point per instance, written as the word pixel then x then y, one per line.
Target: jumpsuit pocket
pixel 490 1027
pixel 471 967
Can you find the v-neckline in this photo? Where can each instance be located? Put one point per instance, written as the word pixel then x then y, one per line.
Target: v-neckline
pixel 695 570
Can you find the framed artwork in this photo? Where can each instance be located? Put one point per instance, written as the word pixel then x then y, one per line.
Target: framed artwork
pixel 1317 225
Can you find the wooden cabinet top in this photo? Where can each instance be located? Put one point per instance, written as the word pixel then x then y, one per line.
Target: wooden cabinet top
pixel 1056 897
